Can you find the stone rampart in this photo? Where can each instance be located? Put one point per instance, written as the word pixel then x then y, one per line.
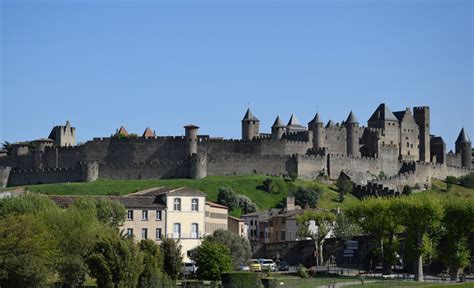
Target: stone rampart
pixel 309 166
pixel 340 162
pixel 237 164
pixel 43 176
pixel 144 170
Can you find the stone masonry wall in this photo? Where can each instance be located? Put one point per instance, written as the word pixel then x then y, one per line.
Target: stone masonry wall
pixel 220 165
pixel 144 170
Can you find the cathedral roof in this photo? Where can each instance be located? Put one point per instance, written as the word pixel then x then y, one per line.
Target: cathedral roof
pixel 316 120
pixel 249 116
pixel 278 123
pixel 351 119
pixel 382 113
pixel 122 131
pixel 463 137
pixel 148 133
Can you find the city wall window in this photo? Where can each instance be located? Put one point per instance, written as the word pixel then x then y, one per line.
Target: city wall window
pixel 130 215
pixel 195 204
pixel 176 230
pixel 144 233
pixel 177 204
pixel 158 214
pixel 144 215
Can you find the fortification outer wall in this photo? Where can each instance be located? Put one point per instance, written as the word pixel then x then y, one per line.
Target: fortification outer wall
pixel 238 164
pixel 144 170
pixel 259 146
pixel 43 176
pixel 453 160
pixel 309 167
pixel 439 171
pixel 338 163
pixel 19 162
pixel 62 157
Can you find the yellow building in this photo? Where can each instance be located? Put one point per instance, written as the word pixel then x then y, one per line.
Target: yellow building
pixel 216 217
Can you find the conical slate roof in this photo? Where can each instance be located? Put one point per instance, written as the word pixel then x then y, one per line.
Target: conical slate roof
pixel 249 116
pixel 463 137
pixel 330 124
pixel 351 119
pixel 316 120
pixel 148 133
pixel 278 123
pixel 293 121
pixel 382 113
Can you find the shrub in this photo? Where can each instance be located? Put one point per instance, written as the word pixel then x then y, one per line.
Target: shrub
pixel 268 185
pixel 241 279
pixel 302 271
pixel 467 181
pixel 293 176
pixel 381 174
pixel 451 180
pixel 227 197
pixel 407 190
pixel 246 204
pixel 345 186
pixel 307 197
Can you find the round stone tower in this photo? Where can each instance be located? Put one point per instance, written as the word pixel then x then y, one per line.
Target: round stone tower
pixel 352 137
pixel 190 136
pixel 278 129
pixel 316 126
pixel 250 126
pixel 463 147
pixel 40 147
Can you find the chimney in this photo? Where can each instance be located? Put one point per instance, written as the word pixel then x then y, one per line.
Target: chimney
pixel 290 203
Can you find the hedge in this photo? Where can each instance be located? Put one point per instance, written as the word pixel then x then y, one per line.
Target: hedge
pixel 241 280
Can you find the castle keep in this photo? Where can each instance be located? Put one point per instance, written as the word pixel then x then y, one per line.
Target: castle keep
pixel 395 149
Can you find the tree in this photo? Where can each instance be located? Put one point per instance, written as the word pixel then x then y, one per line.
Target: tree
pixel 27 252
pixel 467 180
pixel 239 247
pixel 345 228
pixel 307 197
pixel 213 259
pixel 458 223
pixel 344 186
pixel 226 197
pixel 152 275
pixel 172 258
pixel 379 217
pixel 109 212
pixel 115 261
pixel 323 221
pixel 421 216
pixel 450 180
pixel 246 204
pixel 407 190
pixel 31 203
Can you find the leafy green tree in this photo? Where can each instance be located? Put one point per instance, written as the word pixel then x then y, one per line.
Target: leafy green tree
pixel 107 211
pixel 344 186
pixel 31 203
pixel 246 204
pixel 115 261
pixel 458 222
pixel 324 221
pixel 421 216
pixel 379 217
pixel 239 247
pixel 213 259
pixel 345 228
pixel 307 197
pixel 227 197
pixel 27 252
pixel 76 232
pixel 172 257
pixel 152 275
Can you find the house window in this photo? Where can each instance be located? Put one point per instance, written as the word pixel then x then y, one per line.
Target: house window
pixel 130 232
pixel 130 215
pixel 158 214
pixel 145 215
pixel 177 204
pixel 144 233
pixel 176 230
pixel 195 204
pixel 194 230
pixel 158 233
pixel 408 145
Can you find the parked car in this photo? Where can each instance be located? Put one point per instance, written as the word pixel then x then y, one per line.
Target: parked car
pixel 243 267
pixel 283 266
pixel 189 269
pixel 268 264
pixel 255 266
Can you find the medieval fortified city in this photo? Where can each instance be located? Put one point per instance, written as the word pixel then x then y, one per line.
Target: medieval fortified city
pixel 236 144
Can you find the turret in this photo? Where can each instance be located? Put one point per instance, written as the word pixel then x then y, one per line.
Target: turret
pixel 250 126
pixel 40 147
pixel 20 148
pixel 190 136
pixel 463 147
pixel 352 130
pixel 278 129
pixel 63 135
pixel 422 118
pixel 316 126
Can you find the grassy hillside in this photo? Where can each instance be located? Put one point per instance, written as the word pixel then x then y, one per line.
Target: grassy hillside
pixel 249 185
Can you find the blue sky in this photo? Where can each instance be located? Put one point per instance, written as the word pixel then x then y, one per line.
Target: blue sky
pixel 102 64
